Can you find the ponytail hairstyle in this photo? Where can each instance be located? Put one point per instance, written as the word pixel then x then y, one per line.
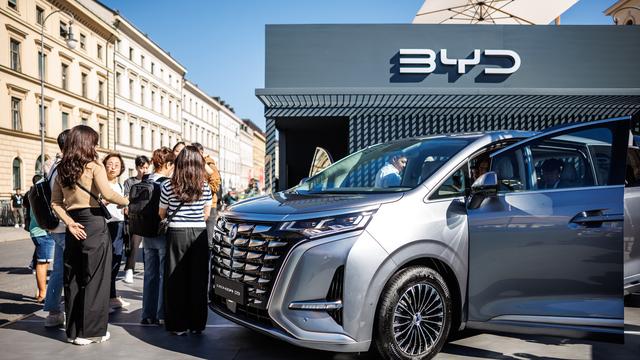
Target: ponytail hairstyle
pixel 189 175
pixel 79 150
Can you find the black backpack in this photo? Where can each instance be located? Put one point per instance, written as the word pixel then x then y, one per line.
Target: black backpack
pixel 144 202
pixel 39 198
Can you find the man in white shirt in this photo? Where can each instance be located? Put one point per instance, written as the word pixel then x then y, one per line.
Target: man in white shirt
pixel 389 175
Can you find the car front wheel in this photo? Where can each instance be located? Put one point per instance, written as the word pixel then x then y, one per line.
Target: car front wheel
pixel 414 316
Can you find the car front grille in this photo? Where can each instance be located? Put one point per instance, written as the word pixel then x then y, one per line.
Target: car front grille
pixel 251 253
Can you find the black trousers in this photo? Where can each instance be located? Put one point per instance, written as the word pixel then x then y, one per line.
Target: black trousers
pixel 185 279
pixel 134 244
pixel 87 270
pixel 114 232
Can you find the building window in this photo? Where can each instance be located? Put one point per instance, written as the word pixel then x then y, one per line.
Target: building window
pixel 118 45
pixel 14 47
pixel 161 104
pixel 153 100
pixel 131 53
pixel 99 50
pixel 118 82
pixel 83 41
pixel 64 76
pixel 130 89
pixel 170 109
pixel 13 4
pixel 118 129
pixel 101 92
pixel 63 29
pixel 84 84
pixel 161 73
pixel 65 120
pixel 142 61
pixel 103 136
pixel 42 65
pixel 39 15
pixel 153 68
pixel 130 134
pixel 17 171
pixel 161 139
pixel 170 80
pixel 143 140
pixel 16 115
pixel 84 121
pixel 153 139
pixel 629 22
pixel 142 95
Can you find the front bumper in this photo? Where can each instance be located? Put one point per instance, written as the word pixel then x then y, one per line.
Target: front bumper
pixel 306 275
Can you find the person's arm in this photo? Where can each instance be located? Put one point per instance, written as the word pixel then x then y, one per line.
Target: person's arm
pixel 57 205
pixel 164 202
pixel 207 197
pixel 103 186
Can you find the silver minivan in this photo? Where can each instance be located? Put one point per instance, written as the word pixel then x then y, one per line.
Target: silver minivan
pixel 400 244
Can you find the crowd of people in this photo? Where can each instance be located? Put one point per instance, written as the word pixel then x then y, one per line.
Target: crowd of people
pixel 96 232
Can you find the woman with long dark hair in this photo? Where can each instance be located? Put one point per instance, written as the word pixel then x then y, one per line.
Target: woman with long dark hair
pixel 186 200
pixel 75 198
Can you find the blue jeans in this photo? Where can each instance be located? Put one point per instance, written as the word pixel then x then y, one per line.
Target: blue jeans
pixel 54 288
pixel 154 258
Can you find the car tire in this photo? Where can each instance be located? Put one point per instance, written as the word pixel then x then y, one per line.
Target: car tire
pixel 409 324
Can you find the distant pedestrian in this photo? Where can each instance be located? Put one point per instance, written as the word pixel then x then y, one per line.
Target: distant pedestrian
pixel 17 208
pixel 52 302
pixel 230 198
pixel 186 198
pixel 142 168
pixel 177 148
pixel 114 165
pixel 155 248
pixel 80 182
pixel 44 250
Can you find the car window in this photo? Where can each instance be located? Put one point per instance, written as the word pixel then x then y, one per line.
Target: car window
pixel 560 164
pixel 632 176
pixel 578 159
pixel 454 186
pixel 510 169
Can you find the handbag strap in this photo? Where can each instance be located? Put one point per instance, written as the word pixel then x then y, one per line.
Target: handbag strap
pixel 169 217
pixel 96 198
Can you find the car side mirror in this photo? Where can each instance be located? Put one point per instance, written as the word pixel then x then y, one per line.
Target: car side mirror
pixel 485 186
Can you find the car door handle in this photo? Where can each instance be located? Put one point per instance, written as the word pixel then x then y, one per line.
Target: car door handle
pixel 595 218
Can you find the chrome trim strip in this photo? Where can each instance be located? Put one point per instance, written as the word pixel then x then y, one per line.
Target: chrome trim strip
pixel 322 305
pixel 561 320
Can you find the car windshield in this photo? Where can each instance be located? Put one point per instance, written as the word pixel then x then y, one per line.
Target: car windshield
pixel 391 167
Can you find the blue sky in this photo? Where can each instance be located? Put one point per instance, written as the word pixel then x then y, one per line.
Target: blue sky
pixel 221 42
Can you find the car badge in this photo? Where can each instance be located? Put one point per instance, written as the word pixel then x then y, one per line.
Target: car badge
pixel 233 233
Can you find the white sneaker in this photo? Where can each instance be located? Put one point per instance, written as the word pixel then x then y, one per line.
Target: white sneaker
pixel 128 276
pixel 86 341
pixel 54 320
pixel 117 303
pixel 17 226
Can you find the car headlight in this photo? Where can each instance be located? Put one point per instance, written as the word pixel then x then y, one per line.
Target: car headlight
pixel 330 225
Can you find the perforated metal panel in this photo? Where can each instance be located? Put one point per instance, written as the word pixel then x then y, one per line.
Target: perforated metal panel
pixel 376 118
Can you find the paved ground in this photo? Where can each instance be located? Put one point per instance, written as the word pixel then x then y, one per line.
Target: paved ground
pixel 28 339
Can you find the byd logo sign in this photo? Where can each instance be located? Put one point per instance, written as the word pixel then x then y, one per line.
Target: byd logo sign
pixel 423 61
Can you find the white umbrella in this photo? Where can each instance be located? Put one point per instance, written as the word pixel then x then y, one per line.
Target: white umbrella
pixel 539 12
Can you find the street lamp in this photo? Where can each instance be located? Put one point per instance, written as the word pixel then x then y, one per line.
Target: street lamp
pixel 71 43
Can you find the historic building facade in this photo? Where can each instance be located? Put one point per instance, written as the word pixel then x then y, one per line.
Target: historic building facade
pixel 230 165
pixel 148 84
pixel 78 82
pixel 201 119
pixel 625 12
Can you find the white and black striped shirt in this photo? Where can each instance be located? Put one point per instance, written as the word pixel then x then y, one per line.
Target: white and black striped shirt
pixel 190 215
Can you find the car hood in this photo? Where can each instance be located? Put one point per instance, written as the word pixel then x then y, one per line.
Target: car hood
pixel 291 206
